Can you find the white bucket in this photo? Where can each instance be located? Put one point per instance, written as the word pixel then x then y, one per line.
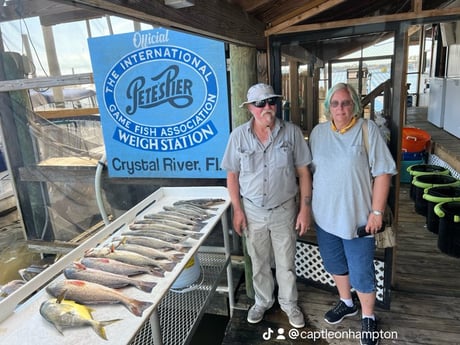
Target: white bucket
pixel 189 275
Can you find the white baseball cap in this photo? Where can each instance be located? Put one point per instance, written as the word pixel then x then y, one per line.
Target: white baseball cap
pixel 259 92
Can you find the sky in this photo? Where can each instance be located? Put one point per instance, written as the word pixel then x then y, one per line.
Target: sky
pixel 70 41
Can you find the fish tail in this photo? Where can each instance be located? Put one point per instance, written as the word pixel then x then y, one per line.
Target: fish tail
pixel 168 266
pixel 145 285
pixel 156 272
pixel 196 236
pixel 179 256
pixel 137 307
pixel 98 327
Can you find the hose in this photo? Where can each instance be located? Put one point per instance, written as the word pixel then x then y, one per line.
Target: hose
pixel 97 187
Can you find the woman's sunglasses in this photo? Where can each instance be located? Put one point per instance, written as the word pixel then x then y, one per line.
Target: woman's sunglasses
pixel 261 104
pixel 343 104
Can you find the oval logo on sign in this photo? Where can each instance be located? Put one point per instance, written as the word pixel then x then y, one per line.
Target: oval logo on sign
pixel 161 98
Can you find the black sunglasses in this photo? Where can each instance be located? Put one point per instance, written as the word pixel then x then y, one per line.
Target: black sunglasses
pixel 261 104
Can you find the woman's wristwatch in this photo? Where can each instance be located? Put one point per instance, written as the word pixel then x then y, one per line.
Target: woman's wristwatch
pixel 377 212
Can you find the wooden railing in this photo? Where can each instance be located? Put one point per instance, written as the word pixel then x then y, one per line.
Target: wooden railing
pixel 384 90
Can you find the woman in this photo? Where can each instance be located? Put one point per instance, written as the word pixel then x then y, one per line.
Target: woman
pixel 350 189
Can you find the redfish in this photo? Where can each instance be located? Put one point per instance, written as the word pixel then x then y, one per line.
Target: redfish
pixel 92 293
pixel 81 272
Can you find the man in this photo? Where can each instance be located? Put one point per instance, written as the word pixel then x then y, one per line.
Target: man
pixel 263 159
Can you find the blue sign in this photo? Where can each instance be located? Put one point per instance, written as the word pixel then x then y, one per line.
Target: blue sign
pixel 163 103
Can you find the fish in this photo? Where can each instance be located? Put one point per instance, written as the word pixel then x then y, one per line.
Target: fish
pixel 166 228
pixel 204 202
pixel 11 287
pixel 198 209
pixel 175 217
pixel 183 217
pixel 81 272
pixel 188 211
pixel 172 223
pixel 84 292
pixel 29 272
pixel 148 251
pixel 154 243
pixel 118 267
pixel 157 234
pixel 63 313
pixel 129 258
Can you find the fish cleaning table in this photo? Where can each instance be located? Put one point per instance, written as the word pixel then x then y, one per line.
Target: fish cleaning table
pixel 173 316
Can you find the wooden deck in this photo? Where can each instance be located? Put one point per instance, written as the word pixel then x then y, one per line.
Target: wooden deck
pixel 425 298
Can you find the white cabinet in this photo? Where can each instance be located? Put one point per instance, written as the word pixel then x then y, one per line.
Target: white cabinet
pixel 436 101
pixel 452 107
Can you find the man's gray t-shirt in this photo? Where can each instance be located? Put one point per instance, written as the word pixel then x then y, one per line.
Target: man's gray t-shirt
pixel 267 173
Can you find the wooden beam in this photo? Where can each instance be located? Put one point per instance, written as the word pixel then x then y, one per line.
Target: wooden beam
pixel 70 16
pixel 298 10
pixel 66 113
pixel 32 8
pixel 448 13
pixel 216 19
pixel 417 6
pixel 413 30
pixel 252 5
pixel 307 11
pixel 45 82
pixel 297 53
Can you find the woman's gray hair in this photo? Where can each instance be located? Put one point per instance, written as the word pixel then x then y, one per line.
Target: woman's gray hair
pixel 357 107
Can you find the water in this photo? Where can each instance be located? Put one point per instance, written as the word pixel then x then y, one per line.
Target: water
pixel 14 252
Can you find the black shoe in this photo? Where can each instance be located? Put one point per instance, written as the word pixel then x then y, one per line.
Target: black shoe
pixel 339 312
pixel 369 332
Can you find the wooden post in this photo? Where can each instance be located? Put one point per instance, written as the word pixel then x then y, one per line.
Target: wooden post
pixel 294 91
pixel 308 96
pixel 53 64
pixel 243 74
